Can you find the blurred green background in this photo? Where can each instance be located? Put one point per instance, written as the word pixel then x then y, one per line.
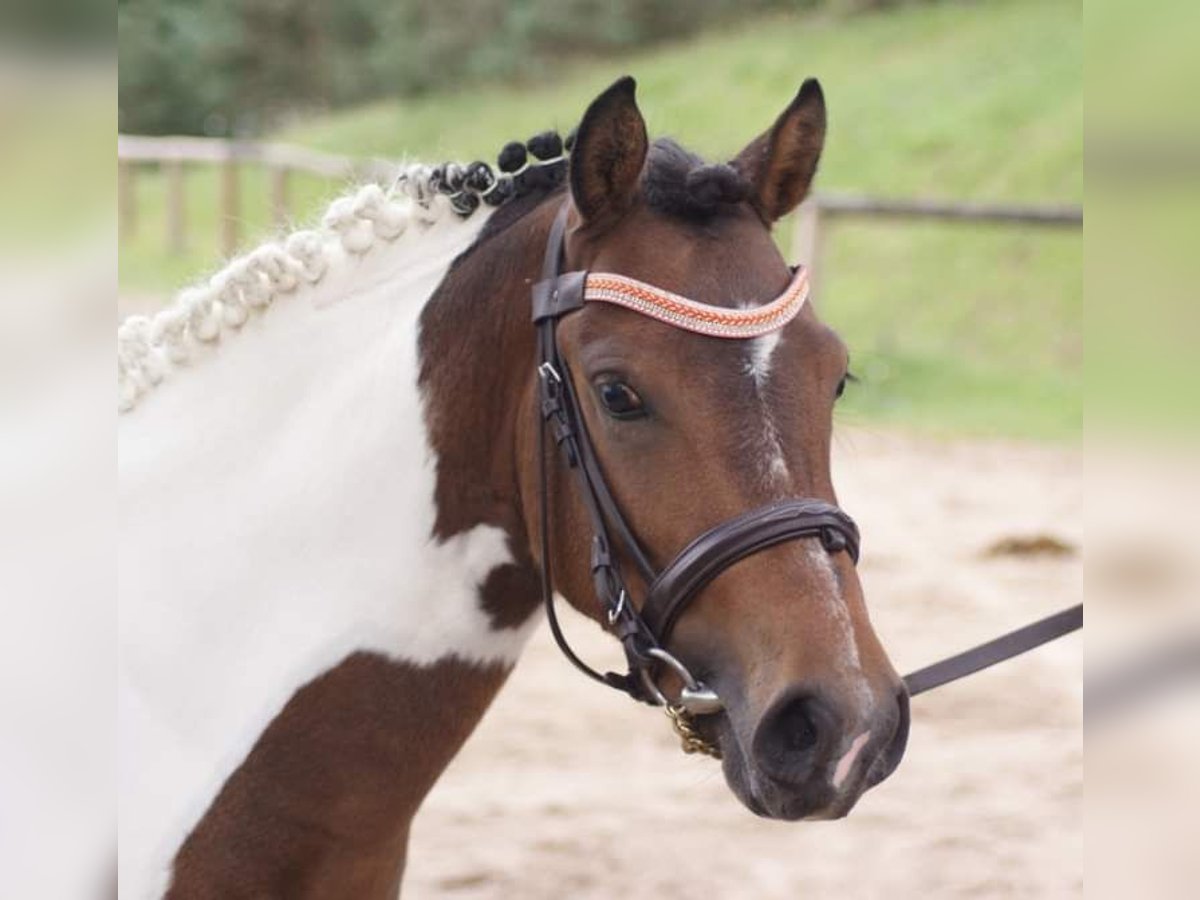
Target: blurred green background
pixel 953 328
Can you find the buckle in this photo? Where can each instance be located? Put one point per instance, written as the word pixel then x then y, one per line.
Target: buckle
pixel 615 612
pixel 556 296
pixel 695 697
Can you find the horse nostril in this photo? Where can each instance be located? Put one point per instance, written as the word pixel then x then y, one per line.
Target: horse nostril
pixel 791 737
pixel 798 731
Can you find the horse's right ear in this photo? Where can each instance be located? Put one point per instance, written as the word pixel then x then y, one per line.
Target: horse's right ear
pixel 608 154
pixel 781 163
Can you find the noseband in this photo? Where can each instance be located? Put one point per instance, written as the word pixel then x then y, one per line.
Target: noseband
pixel 644 632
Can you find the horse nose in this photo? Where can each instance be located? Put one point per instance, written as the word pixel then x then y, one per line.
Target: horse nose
pixel 796 736
pixel 805 729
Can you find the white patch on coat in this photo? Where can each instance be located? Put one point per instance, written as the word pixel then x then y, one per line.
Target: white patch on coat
pixel 276 511
pixel 848 651
pixel 761 351
pixel 820 561
pixel 776 471
pixel 772 463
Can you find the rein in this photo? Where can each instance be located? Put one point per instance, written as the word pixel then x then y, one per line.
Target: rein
pixel 644 632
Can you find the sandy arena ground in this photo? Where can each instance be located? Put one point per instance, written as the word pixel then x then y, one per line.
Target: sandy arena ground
pixel 569 790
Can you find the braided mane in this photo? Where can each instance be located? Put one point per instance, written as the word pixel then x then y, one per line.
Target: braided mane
pixel 419 197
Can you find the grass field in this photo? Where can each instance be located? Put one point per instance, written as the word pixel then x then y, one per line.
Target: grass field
pixel 953 328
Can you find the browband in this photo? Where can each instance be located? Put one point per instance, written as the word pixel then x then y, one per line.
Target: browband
pixel 716 321
pixel 557 295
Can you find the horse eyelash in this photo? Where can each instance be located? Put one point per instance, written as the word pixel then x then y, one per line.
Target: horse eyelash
pixel 848 379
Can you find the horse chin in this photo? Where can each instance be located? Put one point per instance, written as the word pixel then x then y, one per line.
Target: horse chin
pixel 738 777
pixel 738 773
pixel 768 802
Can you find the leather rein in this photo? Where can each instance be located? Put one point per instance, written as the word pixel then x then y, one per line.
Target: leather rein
pixel 644 632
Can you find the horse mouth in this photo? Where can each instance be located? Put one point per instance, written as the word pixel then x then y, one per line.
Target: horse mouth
pixel 816 800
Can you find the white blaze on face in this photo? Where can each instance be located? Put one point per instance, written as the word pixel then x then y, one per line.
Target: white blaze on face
pixel 773 465
pixel 777 478
pixel 276 514
pixel 847 653
pixel 820 560
pixel 761 351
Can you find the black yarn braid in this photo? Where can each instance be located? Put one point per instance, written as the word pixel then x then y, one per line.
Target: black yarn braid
pixel 539 163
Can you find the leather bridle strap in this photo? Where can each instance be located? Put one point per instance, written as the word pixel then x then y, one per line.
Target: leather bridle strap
pixel 733 540
pixel 994 651
pixel 553 297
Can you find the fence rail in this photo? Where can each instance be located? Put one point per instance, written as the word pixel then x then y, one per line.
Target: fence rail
pixel 820 209
pixel 172 154
pixel 1021 214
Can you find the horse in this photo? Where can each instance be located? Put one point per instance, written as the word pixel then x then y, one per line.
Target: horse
pixel 335 517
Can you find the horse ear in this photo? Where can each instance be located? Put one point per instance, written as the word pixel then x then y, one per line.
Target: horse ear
pixel 780 163
pixel 608 153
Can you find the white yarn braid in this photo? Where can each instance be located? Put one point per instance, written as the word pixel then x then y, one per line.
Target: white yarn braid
pixel 147 347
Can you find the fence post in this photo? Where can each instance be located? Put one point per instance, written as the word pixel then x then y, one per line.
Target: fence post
pixel 126 201
pixel 279 195
pixel 176 216
pixel 806 240
pixel 230 204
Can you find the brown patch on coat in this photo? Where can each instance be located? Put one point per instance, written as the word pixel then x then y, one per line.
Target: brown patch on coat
pixel 476 375
pixel 511 593
pixel 321 806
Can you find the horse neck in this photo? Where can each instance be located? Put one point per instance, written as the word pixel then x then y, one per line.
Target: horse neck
pixel 477 378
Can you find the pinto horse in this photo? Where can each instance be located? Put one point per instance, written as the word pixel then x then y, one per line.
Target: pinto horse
pixel 329 559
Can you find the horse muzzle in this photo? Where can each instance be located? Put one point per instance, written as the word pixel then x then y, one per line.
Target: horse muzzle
pixel 807 757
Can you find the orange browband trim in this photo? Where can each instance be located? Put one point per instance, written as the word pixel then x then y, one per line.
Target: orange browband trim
pixel 717 321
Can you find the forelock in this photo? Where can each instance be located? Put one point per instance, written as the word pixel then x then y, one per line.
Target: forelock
pixel 679 183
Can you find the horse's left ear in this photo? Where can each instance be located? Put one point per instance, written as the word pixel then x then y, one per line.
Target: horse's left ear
pixel 780 163
pixel 608 154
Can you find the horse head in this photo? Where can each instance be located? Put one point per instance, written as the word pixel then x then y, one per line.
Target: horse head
pixel 688 430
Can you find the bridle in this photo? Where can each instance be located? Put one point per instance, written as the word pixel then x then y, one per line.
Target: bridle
pixel 643 632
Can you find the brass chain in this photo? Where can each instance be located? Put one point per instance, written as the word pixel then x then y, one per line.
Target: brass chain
pixel 689 738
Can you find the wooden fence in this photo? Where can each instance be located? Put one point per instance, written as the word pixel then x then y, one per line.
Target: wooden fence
pixel 172 154
pixel 819 210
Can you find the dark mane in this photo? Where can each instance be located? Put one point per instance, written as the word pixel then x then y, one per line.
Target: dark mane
pixel 515 209
pixel 680 184
pixel 676 183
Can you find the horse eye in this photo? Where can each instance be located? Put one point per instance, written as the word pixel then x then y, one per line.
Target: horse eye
pixel 620 400
pixel 841 388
